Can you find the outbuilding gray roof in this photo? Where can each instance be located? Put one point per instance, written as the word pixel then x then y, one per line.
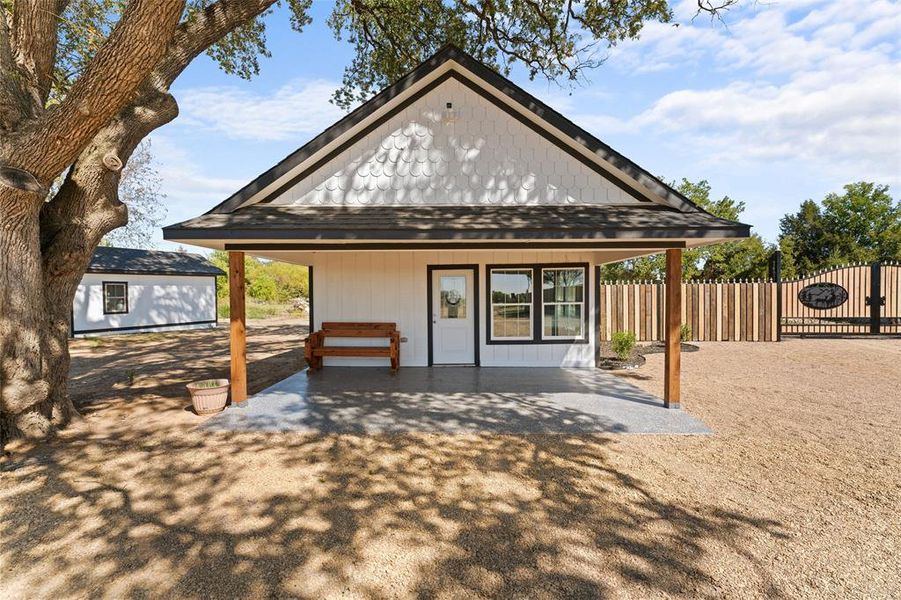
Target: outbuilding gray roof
pixel 455 222
pixel 150 262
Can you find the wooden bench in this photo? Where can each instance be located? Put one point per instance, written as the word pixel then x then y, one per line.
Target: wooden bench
pixel 315 348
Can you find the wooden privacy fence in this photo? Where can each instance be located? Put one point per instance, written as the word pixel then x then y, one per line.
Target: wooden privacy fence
pixel 850 299
pixel 715 310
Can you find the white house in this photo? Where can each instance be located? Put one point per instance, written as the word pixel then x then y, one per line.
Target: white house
pixel 127 290
pixel 463 209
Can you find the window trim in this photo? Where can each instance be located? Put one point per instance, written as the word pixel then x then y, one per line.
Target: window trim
pixel 538 306
pixel 115 312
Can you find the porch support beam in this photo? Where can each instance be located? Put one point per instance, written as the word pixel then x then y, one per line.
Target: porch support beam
pixel 238 332
pixel 673 357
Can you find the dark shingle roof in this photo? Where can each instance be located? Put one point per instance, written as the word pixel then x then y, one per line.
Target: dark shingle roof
pixel 455 222
pixel 150 262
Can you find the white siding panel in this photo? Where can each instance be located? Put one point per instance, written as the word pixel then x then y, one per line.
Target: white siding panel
pixel 392 286
pixel 484 156
pixel 153 301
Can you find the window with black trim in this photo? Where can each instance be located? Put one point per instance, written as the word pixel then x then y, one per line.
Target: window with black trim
pixel 511 304
pixel 115 297
pixel 522 313
pixel 563 303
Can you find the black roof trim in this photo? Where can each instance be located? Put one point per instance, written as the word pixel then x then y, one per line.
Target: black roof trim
pixel 503 85
pixel 135 261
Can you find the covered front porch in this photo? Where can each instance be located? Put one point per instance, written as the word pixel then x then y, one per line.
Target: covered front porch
pixel 455 400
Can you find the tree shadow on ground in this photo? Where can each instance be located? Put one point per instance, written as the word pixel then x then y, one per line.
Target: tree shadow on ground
pixel 265 515
pixel 123 506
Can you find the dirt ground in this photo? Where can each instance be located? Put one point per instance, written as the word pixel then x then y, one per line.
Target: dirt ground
pixel 796 494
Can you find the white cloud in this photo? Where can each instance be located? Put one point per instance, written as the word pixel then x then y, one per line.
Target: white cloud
pixel 823 87
pixel 188 187
pixel 296 110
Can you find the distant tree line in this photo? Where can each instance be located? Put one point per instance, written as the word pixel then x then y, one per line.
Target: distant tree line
pixel 266 281
pixel 861 225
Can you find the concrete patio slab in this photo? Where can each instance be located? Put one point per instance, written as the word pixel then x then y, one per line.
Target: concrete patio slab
pixel 455 400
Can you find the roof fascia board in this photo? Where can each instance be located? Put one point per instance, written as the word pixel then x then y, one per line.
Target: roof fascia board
pixel 360 235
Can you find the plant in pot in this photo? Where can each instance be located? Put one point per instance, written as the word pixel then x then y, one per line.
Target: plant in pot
pixel 209 396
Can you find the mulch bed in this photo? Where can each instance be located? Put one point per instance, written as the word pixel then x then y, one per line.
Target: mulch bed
pixel 612 363
pixel 660 347
pixel 609 362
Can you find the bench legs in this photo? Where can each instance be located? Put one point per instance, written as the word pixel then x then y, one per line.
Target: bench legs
pixel 395 352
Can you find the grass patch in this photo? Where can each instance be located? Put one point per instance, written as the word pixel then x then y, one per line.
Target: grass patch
pixel 263 310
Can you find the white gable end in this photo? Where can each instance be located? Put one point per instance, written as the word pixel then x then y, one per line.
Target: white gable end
pixel 482 156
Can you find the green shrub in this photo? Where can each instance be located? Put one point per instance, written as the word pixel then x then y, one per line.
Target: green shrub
pixel 622 344
pixel 685 332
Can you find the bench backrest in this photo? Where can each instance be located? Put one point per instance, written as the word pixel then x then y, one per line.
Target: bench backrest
pixel 360 326
pixel 338 329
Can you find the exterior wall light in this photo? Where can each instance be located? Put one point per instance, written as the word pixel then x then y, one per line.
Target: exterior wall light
pixel 450 114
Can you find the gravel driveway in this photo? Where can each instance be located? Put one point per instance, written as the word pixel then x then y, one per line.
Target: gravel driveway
pixel 796 493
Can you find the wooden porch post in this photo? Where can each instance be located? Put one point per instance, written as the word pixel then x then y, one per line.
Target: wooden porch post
pixel 238 332
pixel 673 357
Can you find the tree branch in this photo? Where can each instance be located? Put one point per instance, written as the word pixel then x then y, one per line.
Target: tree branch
pixel 34 40
pixel 135 45
pixel 202 30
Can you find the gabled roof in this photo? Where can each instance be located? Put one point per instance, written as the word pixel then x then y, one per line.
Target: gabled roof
pixel 150 262
pixel 648 187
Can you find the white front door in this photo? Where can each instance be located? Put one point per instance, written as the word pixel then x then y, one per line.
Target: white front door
pixel 453 317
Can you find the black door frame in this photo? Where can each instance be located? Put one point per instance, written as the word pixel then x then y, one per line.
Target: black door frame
pixel 475 291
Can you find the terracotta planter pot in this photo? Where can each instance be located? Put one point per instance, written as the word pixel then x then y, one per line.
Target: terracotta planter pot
pixel 208 398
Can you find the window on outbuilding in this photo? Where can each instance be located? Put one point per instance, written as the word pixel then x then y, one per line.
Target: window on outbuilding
pixel 521 315
pixel 115 297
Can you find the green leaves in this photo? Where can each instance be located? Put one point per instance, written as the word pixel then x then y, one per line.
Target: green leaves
pixel 743 259
pixel 557 39
pixel 861 225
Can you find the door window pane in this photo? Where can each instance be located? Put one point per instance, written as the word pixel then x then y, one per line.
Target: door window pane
pixel 453 297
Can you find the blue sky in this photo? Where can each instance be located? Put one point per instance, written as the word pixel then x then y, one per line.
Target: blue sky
pixel 785 101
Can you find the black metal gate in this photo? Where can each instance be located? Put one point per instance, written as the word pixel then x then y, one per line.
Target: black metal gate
pixel 854 299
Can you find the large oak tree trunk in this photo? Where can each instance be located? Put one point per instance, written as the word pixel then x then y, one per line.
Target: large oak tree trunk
pixel 45 247
pixel 23 319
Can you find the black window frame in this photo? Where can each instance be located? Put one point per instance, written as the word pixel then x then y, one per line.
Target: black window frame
pixel 115 312
pixel 538 305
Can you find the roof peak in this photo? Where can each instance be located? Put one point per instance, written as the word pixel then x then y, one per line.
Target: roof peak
pixel 284 175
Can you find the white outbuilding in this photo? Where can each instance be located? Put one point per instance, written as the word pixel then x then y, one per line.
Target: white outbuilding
pixel 126 291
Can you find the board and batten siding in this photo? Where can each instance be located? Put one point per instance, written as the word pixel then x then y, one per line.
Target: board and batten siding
pixel 485 156
pixel 154 302
pixel 392 286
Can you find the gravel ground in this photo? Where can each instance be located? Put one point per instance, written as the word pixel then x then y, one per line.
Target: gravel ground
pixel 796 494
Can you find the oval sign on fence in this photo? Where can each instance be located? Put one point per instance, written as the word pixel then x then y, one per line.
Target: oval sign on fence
pixel 823 295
